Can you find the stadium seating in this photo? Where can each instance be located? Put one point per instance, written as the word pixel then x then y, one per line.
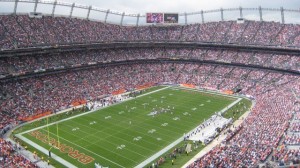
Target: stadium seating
pixel 19 65
pixel 273 107
pixel 21 31
pixel 258 136
pixel 10 158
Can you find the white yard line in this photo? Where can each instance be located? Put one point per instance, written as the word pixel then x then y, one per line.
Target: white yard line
pixel 92 151
pixel 156 155
pixel 45 151
pixel 37 128
pixel 149 160
pixel 144 163
pixel 210 92
pixel 230 105
pixel 219 140
pixel 95 143
pixel 59 159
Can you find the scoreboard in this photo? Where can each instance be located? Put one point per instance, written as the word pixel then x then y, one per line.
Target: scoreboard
pixel 170 17
pixel 154 17
pixel 162 18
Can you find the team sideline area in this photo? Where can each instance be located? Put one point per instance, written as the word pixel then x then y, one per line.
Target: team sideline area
pixel 133 131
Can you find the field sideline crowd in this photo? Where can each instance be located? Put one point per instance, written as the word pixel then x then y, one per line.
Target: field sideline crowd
pixel 259 136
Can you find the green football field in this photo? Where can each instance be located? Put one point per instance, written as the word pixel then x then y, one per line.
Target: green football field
pixel 126 134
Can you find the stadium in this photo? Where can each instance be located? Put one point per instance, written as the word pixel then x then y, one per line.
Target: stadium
pixel 82 86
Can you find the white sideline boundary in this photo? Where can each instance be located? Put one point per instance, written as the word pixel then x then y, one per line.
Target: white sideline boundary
pixel 54 156
pixel 90 152
pixel 164 150
pixel 209 92
pixel 142 164
pixel 230 105
pixel 156 155
pixel 218 141
pixel 45 151
pixel 37 128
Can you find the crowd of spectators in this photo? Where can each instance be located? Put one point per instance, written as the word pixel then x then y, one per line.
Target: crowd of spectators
pixel 254 141
pixel 288 152
pixel 284 156
pixel 22 31
pixel 297 116
pixel 295 127
pixel 21 64
pixel 9 156
pixel 292 139
pixel 260 133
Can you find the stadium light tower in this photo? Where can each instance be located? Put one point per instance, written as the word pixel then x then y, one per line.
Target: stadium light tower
pixel 222 15
pixel 137 19
pixel 107 12
pixel 260 13
pixel 35 5
pixel 89 11
pixel 122 18
pixel 71 11
pixel 202 16
pixel 241 12
pixel 54 6
pixel 282 15
pixel 185 18
pixel 15 7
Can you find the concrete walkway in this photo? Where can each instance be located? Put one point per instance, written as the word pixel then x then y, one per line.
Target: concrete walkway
pixel 28 155
pixel 45 151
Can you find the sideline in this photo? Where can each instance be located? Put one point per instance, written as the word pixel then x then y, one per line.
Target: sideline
pixel 66 119
pixel 230 105
pixel 147 161
pixel 215 92
pixel 45 151
pixel 219 139
pixel 164 150
pixel 156 155
pixel 54 156
pixel 60 159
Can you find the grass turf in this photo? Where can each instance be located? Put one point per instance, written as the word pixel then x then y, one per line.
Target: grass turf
pixel 181 159
pixel 130 135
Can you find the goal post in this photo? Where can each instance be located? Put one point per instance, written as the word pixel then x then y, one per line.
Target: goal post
pixel 48 129
pixel 57 145
pixel 57 135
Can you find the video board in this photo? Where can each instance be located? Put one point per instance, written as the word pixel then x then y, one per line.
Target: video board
pixel 170 17
pixel 161 18
pixel 154 17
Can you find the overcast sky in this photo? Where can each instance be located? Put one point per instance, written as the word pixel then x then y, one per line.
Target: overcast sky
pixel 141 6
pixel 180 6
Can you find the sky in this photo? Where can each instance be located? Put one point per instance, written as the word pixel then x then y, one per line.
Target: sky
pixel 177 6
